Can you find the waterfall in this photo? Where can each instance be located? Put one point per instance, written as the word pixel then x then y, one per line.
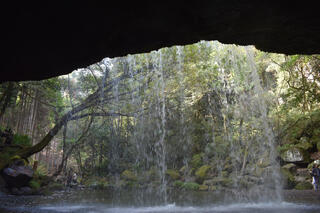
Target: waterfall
pixel 200 107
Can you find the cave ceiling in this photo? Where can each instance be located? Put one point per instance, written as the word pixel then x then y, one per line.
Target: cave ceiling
pixel 49 39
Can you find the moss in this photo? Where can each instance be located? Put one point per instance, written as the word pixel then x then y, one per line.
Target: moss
pixel 128 175
pixel 34 184
pixel 190 186
pixel 196 160
pixel 173 174
pixel 288 178
pixel 186 185
pixel 305 145
pixel 203 188
pixel 303 186
pixel 202 172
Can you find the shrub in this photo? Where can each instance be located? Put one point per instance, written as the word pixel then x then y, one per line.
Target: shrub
pixel 191 186
pixel 178 184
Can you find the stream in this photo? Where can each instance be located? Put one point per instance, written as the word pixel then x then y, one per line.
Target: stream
pixel 100 201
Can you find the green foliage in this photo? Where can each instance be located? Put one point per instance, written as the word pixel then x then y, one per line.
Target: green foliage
pixel 22 140
pixel 41 171
pixel 304 186
pixel 178 184
pixel 186 185
pixel 34 184
pixel 196 161
pixel 190 186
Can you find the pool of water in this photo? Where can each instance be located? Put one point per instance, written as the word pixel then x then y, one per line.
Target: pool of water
pixel 138 202
pixel 282 207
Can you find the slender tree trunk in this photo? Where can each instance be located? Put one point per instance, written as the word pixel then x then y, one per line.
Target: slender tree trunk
pixel 6 99
pixel 64 158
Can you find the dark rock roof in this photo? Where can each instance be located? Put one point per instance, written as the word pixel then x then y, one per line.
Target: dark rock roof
pixel 48 39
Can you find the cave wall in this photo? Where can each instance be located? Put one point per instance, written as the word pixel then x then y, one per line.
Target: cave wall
pixel 50 38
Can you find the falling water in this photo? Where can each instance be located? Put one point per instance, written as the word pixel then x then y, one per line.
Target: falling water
pixel 238 133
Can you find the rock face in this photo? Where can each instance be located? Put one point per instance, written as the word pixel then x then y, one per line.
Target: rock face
pixel 17 175
pixel 61 38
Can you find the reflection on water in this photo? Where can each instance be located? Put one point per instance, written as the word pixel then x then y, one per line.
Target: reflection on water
pixel 138 202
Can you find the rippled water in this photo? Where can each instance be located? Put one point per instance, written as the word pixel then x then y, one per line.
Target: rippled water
pixel 190 202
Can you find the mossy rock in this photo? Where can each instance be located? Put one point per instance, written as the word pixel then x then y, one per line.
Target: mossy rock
pixel 173 174
pixel 288 179
pixel 201 173
pixel 304 186
pixel 203 188
pixel 304 144
pixel 128 175
pixel 213 188
pixel 294 154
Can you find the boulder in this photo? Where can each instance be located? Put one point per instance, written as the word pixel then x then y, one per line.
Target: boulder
pixel 173 174
pixel 288 180
pixel 17 175
pixel 293 155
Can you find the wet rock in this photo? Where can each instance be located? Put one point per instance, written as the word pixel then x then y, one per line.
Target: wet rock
pixel 303 172
pixel 21 191
pixel 300 179
pixel 26 190
pixel 290 167
pixel 17 175
pixel 15 191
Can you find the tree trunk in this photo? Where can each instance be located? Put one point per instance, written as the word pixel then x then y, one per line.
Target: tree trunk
pixel 6 98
